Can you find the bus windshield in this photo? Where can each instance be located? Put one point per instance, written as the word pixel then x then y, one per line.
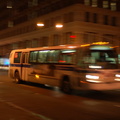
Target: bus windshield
pixel 106 59
pixel 100 59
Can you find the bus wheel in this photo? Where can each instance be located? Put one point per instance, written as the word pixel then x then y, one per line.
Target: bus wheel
pixel 17 78
pixel 66 87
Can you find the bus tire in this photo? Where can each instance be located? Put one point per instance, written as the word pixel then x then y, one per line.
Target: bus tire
pixel 17 78
pixel 66 88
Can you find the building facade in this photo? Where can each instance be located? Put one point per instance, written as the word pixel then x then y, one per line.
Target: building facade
pixel 36 23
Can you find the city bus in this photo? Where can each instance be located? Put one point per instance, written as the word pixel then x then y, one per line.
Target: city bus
pixel 69 67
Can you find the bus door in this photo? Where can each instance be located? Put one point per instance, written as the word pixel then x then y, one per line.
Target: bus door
pixel 25 66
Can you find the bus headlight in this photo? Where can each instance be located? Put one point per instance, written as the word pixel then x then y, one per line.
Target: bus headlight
pixel 93 81
pixel 92 78
pixel 95 67
pixel 117 77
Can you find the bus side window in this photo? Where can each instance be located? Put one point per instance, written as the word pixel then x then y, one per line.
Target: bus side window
pixel 33 56
pixel 17 57
pixel 67 56
pixel 84 57
pixel 53 56
pixel 42 56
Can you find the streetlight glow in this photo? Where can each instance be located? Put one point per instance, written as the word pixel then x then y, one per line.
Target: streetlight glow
pixel 59 26
pixel 40 24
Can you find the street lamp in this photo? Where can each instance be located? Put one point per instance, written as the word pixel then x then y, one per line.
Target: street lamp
pixel 58 25
pixel 40 24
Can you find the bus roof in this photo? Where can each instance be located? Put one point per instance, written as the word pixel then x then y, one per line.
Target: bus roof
pixel 97 45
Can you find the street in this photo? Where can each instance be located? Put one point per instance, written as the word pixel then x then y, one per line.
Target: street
pixel 34 102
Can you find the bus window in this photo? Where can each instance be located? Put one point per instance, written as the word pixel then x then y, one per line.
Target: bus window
pixel 67 56
pixel 17 57
pixel 33 56
pixel 42 56
pixel 84 58
pixel 105 58
pixel 119 58
pixel 53 56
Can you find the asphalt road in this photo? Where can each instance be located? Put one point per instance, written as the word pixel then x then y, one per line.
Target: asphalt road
pixel 34 102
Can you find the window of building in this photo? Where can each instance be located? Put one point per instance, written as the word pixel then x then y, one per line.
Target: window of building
pixel 105 4
pixel 23 7
pixel 71 16
pixel 35 42
pixel 89 37
pixel 28 43
pixel 58 19
pixel 87 17
pixel 14 46
pixel 10 24
pixel 113 6
pixel 21 44
pixel 105 20
pixel 87 2
pixel 68 17
pixel 85 38
pixel 108 38
pixel 56 39
pixel 94 18
pixel 9 4
pixel 68 38
pixel 94 3
pixel 65 19
pixel 35 2
pixel 46 23
pixel 113 21
pixel 32 15
pixel 52 22
pixel 44 41
pixel 32 3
